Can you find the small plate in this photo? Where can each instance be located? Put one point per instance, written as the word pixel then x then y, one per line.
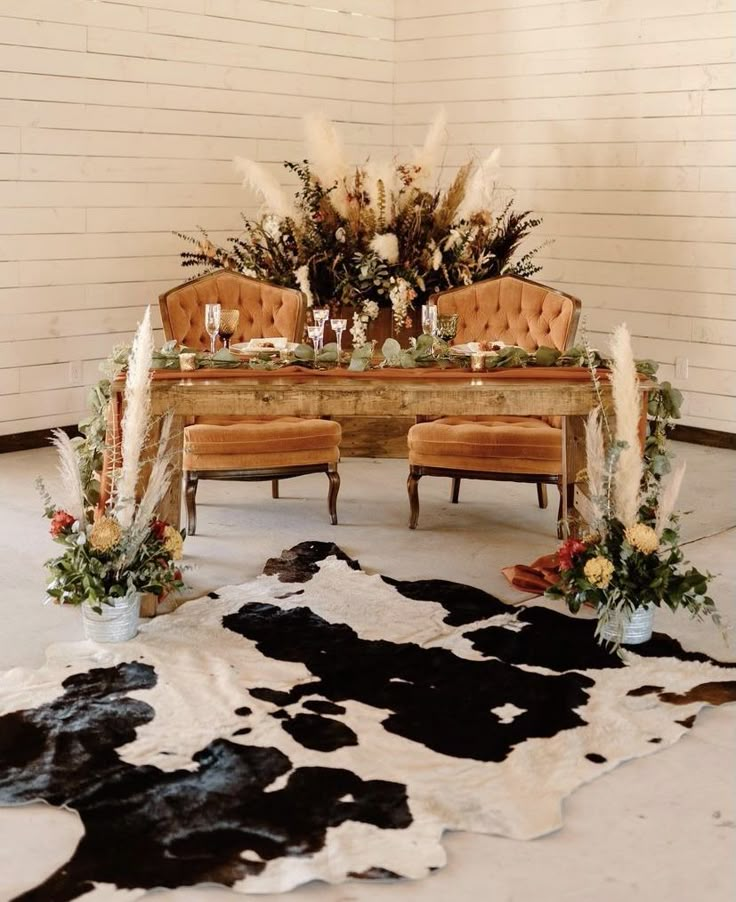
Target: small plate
pixel 474 347
pixel 263 346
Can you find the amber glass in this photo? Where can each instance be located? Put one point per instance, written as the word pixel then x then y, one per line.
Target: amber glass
pixel 228 325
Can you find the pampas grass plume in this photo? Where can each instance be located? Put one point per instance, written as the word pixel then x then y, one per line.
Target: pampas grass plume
pixel 386 247
pixel 479 189
pixel 327 159
pixel 135 419
pixel 429 157
pixel 258 179
pixel 627 408
pixel 596 461
pixel 72 492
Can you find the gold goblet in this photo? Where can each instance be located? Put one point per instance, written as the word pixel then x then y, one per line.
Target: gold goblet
pixel 228 325
pixel 446 328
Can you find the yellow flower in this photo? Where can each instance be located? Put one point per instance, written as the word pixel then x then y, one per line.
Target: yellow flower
pixel 642 537
pixel 173 543
pixel 598 571
pixel 105 534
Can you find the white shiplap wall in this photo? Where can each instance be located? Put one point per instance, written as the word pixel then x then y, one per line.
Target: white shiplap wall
pixel 118 122
pixel 617 121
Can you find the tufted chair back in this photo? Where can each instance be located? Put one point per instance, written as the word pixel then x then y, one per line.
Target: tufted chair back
pixel 514 310
pixel 266 310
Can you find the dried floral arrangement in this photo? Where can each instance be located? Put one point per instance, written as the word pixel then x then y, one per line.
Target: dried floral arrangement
pixel 632 557
pixel 124 548
pixel 376 235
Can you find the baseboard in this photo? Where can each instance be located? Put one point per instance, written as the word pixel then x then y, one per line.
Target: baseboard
pixel 38 438
pixel 711 437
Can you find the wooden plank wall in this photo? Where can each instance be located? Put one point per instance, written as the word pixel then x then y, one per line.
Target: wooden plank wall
pixel 118 124
pixel 616 120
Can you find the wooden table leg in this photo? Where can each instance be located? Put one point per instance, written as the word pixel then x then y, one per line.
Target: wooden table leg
pixel 573 466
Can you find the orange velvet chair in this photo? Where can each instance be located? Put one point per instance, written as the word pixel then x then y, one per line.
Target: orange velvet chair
pixel 520 449
pixel 248 448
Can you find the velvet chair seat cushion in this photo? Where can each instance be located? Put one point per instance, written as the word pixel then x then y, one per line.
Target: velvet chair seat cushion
pixel 491 444
pixel 258 443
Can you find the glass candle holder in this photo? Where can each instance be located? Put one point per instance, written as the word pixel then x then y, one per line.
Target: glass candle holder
pixel 477 361
pixel 187 361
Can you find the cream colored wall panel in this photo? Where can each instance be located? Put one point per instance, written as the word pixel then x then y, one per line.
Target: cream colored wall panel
pixel 115 144
pixel 17 220
pixel 664 351
pixel 9 140
pixel 103 194
pixel 96 271
pixel 9 382
pixel 78 12
pixel 179 219
pixel 657 300
pixel 69 168
pixel 644 203
pixel 9 166
pixel 130 43
pixel 91 246
pixel 28 424
pixel 720 178
pixel 719 103
pixel 600 34
pixel 639 275
pixel 79 322
pixel 132 70
pixel 620 250
pixel 698 229
pixel 591 178
pixel 688 51
pixel 41 34
pixel 30 404
pixel 53 298
pixel 60 350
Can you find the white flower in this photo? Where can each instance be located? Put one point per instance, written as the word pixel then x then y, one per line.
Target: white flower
pixel 358 332
pixel 340 235
pixel 370 309
pixel 452 239
pixel 272 227
pixel 436 259
pixel 386 247
pixel 302 280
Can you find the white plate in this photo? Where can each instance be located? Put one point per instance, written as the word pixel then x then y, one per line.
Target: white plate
pixel 473 347
pixel 263 346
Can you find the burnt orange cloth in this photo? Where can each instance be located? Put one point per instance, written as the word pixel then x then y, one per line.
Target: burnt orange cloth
pixel 538 576
pixel 541 373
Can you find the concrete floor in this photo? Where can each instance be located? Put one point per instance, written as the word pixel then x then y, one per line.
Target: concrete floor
pixel 658 828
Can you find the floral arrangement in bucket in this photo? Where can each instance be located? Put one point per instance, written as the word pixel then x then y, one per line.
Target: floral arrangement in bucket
pixel 376 235
pixel 112 556
pixel 631 562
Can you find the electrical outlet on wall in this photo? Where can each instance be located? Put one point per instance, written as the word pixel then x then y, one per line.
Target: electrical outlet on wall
pixel 681 368
pixel 75 372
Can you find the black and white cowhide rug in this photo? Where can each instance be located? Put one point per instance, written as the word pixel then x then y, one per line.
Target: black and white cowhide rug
pixel 323 723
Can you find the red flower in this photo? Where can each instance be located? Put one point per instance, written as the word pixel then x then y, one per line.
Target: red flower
pixel 158 529
pixel 61 522
pixel 569 549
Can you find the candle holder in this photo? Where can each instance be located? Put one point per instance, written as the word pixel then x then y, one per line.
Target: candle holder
pixel 477 361
pixel 187 361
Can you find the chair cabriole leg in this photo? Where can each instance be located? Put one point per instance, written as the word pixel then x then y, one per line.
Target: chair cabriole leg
pixel 190 481
pixel 334 478
pixel 412 487
pixel 455 492
pixel 542 495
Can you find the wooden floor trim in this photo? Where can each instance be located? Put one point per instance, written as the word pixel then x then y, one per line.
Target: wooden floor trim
pixel 25 441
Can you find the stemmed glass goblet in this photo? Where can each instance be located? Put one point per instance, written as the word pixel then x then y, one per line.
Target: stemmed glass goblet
pixel 338 327
pixel 315 334
pixel 212 314
pixel 447 326
pixel 228 325
pixel 429 322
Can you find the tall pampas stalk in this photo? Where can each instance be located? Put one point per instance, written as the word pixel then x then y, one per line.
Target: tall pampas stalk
pixel 258 179
pixel 627 408
pixel 428 157
pixel 158 481
pixel 135 419
pixel 479 188
pixel 596 463
pixel 668 497
pixel 327 158
pixel 72 491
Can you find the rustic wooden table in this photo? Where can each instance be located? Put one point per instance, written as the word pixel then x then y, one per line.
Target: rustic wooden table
pixel 396 393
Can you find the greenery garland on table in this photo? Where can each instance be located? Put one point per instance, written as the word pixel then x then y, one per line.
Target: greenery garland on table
pixel 376 235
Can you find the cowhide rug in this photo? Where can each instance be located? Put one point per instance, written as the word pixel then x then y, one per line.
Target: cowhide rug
pixel 320 722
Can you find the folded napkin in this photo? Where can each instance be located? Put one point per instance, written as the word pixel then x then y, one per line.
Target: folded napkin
pixel 536 577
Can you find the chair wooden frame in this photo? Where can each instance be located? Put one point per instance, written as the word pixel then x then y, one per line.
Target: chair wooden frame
pixel 190 478
pixel 541 480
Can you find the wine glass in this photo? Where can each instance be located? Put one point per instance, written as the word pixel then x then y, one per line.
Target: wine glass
pixel 212 323
pixel 429 318
pixel 315 333
pixel 338 327
pixel 320 315
pixel 447 327
pixel 228 325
